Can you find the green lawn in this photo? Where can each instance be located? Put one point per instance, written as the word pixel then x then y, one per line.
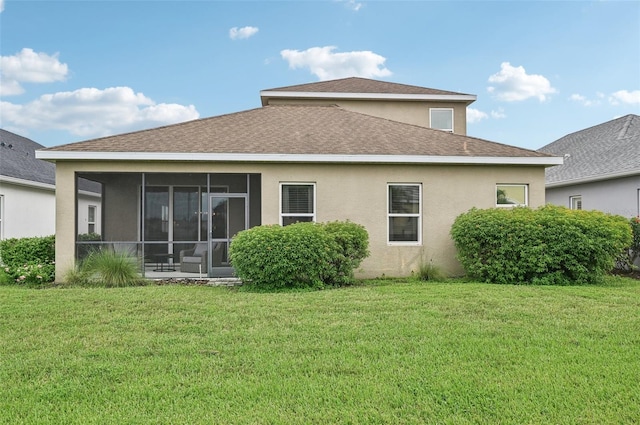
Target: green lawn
pixel 389 353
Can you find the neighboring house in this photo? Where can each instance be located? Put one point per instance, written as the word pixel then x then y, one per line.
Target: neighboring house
pixel 350 149
pixel 601 169
pixel 28 192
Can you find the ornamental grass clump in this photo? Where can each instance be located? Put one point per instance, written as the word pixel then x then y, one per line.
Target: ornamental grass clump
pixel 106 268
pixel 548 245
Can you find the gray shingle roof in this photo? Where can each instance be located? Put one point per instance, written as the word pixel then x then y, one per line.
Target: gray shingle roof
pixel 17 159
pixel 598 152
pixel 299 130
pixel 361 85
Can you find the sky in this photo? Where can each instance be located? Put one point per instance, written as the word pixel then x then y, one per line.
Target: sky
pixel 82 69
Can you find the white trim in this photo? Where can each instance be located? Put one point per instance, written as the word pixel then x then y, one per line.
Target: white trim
pixel 282 215
pixel 526 195
pixel 412 215
pixel 574 201
pixel 379 96
pixel 301 158
pixel 453 125
pixel 30 183
pixel 591 179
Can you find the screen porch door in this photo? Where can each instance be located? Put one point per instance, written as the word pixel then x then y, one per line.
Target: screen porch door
pixel 229 215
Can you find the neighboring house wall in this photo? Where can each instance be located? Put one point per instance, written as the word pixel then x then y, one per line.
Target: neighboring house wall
pixel 410 112
pixel 356 192
pixel 615 196
pixel 27 210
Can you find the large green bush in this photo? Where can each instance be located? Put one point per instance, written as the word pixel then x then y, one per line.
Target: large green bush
pixel 300 255
pixel 28 260
pixel 548 245
pixel 353 247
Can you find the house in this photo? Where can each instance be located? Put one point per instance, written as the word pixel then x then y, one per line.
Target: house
pixel 601 168
pixel 392 157
pixel 27 191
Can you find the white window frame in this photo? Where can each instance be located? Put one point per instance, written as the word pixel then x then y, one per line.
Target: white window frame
pixel 526 195
pixel 575 202
pixel 89 221
pixel 312 214
pixel 417 215
pixel 432 110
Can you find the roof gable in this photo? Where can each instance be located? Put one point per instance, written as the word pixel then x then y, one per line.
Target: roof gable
pixel 287 130
pixel 362 88
pixel 360 85
pixel 603 151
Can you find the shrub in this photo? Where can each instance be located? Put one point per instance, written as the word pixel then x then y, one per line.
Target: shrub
pixel 549 245
pixel 353 248
pixel 626 260
pixel 106 268
pixel 28 260
pixel 301 255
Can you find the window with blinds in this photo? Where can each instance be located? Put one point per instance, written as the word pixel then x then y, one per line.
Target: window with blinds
pixel 404 212
pixel 297 202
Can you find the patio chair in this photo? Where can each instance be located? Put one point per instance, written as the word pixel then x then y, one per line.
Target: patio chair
pixel 194 260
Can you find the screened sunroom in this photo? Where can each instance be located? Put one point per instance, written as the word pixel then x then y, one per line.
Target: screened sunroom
pixel 175 224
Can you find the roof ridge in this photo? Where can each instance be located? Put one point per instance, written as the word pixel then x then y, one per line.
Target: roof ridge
pixel 625 127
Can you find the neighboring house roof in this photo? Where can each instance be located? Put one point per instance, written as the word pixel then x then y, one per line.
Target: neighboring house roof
pixel 309 133
pixel 18 162
pixel 19 165
pixel 362 88
pixel 601 152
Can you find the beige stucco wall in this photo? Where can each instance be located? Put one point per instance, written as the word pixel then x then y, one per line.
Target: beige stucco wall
pixel 344 192
pixel 411 112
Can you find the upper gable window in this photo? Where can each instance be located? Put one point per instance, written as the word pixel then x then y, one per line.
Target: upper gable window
pixel 441 119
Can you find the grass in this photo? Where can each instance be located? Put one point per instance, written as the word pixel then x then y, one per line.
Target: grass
pixel 384 353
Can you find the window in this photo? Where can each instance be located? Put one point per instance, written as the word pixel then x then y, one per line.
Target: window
pixel 91 219
pixel 441 119
pixel 297 203
pixel 404 212
pixel 575 202
pixel 512 195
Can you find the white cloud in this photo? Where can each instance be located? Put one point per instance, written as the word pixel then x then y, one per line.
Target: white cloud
pixel 499 114
pixel 90 112
pixel 28 66
pixel 625 96
pixel 583 100
pixel 236 33
pixel 327 65
pixel 1 6
pixel 351 4
pixel 513 84
pixel 475 115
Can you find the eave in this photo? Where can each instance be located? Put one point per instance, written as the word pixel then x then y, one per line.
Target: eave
pixel 27 183
pixel 592 179
pixel 268 94
pixel 293 158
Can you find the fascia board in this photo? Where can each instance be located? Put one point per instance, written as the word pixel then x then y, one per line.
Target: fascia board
pixel 29 183
pixel 294 158
pixel 368 96
pixel 591 179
